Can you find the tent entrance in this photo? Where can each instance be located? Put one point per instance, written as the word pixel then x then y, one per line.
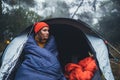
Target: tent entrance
pixel 71 42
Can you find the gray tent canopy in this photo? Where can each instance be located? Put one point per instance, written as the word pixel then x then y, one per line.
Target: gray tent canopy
pixel 74 39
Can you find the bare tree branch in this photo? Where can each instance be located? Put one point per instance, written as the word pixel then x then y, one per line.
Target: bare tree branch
pixel 94 5
pixel 0 7
pixel 77 8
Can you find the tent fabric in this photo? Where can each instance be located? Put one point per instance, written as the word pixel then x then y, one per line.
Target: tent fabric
pixel 11 55
pixel 40 63
pixel 96 44
pixel 102 56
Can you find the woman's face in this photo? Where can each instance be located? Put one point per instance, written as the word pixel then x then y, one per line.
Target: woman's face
pixel 44 33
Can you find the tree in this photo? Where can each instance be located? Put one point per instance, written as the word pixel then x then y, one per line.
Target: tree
pixel 107 16
pixel 15 21
pixel 0 7
pixel 28 2
pixel 109 22
pixel 17 2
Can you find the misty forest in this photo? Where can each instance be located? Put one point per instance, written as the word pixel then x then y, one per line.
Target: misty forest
pixel 101 15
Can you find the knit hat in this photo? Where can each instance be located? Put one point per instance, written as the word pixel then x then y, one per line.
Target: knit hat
pixel 39 25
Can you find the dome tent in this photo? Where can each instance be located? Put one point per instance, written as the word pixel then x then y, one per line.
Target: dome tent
pixel 74 41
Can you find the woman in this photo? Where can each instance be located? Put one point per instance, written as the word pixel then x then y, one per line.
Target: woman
pixel 40 61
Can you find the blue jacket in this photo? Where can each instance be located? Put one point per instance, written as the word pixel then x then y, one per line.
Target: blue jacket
pixel 40 63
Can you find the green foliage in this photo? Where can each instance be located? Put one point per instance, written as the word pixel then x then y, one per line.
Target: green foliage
pixel 15 21
pixel 109 21
pixel 28 2
pixel 18 2
pixel 18 19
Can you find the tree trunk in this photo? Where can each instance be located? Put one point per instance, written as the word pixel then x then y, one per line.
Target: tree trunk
pixel 0 7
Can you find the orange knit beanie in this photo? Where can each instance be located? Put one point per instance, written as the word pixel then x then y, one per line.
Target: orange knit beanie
pixel 39 25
